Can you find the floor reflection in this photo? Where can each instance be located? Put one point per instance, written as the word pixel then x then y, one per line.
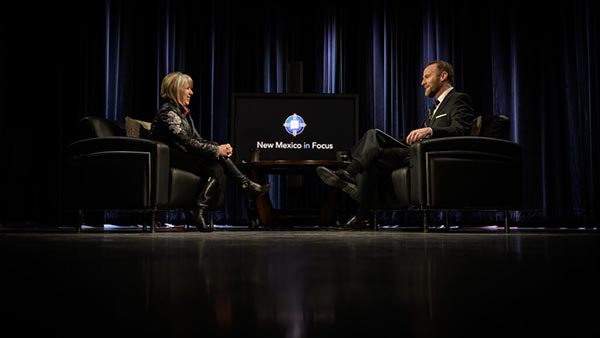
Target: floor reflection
pixel 301 284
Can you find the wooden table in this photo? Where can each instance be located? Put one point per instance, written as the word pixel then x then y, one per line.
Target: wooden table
pixel 267 215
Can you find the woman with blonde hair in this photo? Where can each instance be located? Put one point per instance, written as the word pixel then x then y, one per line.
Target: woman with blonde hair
pixel 174 126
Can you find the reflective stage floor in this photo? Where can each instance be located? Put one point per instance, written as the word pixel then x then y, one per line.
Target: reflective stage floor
pixel 307 283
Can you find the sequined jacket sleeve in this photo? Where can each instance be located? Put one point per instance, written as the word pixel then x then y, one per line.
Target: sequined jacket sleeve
pixel 173 128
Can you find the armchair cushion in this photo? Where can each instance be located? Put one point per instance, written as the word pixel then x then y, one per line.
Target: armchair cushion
pixel 495 126
pixel 92 126
pixel 137 128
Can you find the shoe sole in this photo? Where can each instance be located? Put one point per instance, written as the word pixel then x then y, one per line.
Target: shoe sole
pixel 331 179
pixel 353 225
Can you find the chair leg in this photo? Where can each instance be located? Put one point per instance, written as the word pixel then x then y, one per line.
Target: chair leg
pixel 212 219
pixel 374 220
pixel 506 225
pixel 425 226
pixel 447 220
pixel 152 223
pixel 79 221
pixel 150 220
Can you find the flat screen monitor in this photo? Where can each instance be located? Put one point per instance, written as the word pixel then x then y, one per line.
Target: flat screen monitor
pixel 293 126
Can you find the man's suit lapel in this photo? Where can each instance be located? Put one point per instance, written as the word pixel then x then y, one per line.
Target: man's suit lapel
pixel 440 111
pixel 444 103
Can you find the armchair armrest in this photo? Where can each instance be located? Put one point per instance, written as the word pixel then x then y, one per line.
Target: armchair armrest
pixel 466 172
pixel 119 172
pixel 118 143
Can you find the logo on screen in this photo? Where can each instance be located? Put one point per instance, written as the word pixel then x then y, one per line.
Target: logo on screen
pixel 294 124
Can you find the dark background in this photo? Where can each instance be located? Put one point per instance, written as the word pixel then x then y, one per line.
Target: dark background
pixel 106 58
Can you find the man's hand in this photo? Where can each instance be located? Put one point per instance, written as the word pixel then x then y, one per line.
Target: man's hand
pixel 418 134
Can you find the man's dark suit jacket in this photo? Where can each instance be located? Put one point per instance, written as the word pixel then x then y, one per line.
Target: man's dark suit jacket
pixel 454 116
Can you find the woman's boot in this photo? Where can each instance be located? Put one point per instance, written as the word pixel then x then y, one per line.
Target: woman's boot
pixel 251 188
pixel 207 194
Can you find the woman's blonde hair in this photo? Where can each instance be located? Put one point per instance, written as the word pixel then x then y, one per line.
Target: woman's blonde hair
pixel 172 83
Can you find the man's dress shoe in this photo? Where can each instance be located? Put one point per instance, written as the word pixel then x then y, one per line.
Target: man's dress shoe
pixel 357 223
pixel 339 178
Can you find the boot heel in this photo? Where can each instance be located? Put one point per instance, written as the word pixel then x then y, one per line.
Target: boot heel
pixel 253 189
pixel 199 222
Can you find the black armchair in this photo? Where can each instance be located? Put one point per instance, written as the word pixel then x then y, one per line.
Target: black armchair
pixel 112 171
pixel 460 173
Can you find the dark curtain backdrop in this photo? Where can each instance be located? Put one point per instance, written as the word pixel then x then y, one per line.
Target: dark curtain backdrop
pixel 61 62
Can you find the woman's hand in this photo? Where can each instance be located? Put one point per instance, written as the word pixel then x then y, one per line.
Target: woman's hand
pixel 225 150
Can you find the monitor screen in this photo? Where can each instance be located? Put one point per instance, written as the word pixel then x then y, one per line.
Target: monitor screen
pixel 293 126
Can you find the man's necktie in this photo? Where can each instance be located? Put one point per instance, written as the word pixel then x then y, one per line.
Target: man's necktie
pixel 430 110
